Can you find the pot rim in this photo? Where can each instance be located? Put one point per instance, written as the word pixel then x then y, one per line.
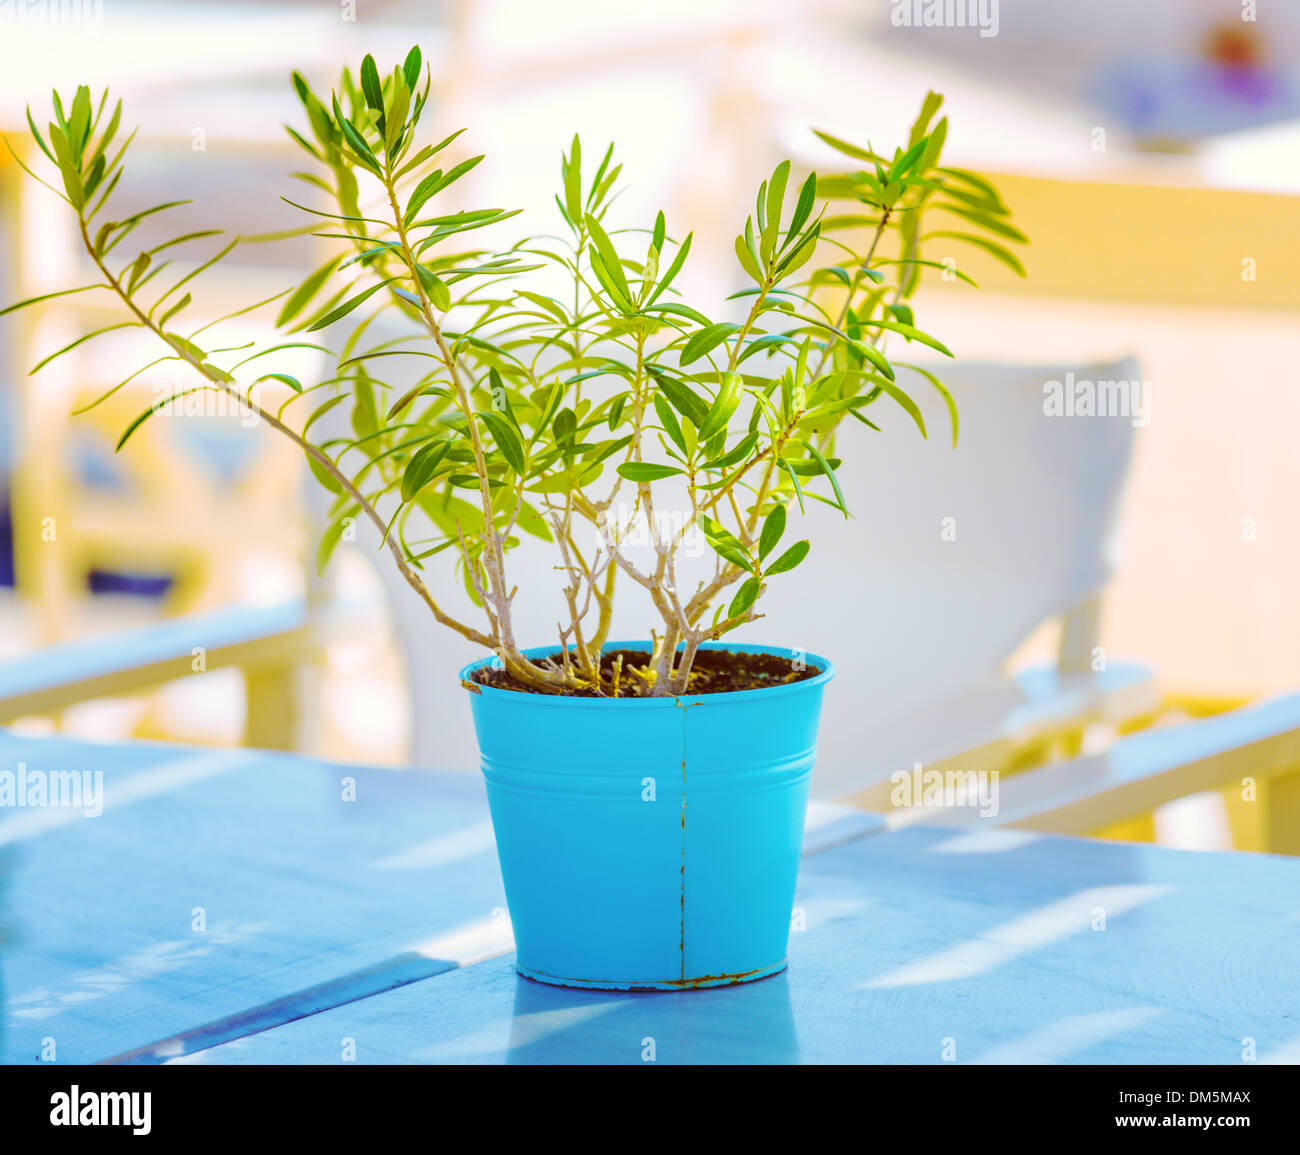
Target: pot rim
pixel 567 702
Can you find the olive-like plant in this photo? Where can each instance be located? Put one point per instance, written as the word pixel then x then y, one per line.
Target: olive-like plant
pixel 538 412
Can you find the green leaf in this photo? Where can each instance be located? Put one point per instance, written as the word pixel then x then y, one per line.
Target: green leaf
pixel 827 469
pixel 801 255
pixel 332 536
pixel 370 84
pixel 706 340
pixel 900 168
pixel 355 139
pixel 794 480
pixel 80 340
pixel 433 184
pixel 320 412
pixel 843 146
pixel 609 262
pixel 411 67
pixel 748 262
pixel 673 269
pixel 37 134
pixel 788 560
pixel 176 308
pixel 438 293
pixel 303 294
pixel 986 220
pixel 344 309
pixel 507 440
pixel 735 455
pixel 284 379
pixel 573 181
pixel 643 471
pixel 322 475
pixel 996 251
pixel 773 528
pixel 767 341
pixel 47 297
pixel 421 468
pixel 804 206
pixel 725 543
pixel 144 416
pixel 906 402
pixel 943 392
pixel 745 597
pixel 775 201
pixel 875 356
pixel 730 389
pixel 668 419
pixel 682 398
pixel 911 333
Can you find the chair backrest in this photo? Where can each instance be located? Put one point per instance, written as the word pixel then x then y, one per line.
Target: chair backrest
pixel 953 556
pixel 951 559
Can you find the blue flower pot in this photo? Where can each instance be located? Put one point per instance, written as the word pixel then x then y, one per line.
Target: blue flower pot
pixel 650 843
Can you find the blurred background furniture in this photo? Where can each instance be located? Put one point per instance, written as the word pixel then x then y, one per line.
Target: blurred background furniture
pixel 1163 224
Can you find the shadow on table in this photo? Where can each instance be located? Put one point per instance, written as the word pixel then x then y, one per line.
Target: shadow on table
pixel 749 1024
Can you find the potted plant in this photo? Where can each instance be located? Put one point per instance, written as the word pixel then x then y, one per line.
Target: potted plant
pixel 648 796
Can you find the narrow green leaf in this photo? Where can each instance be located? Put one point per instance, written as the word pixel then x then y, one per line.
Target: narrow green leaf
pixel 730 390
pixel 422 467
pixel 773 529
pixel 788 560
pixel 745 597
pixel 706 340
pixel 843 146
pixel 411 67
pixel 507 440
pixel 725 543
pixel 804 206
pixel 906 402
pixel 748 262
pixel 686 402
pixel 47 297
pixel 344 309
pixel 370 84
pixel 332 536
pixel 643 471
pixel 829 471
pixel 996 251
pixel 303 294
pixel 943 391
pixel 609 257
pixel 37 134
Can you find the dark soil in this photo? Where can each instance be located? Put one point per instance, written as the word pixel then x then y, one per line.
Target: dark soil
pixel 713 672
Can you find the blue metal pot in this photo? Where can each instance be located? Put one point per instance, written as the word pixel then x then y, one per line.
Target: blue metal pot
pixel 650 843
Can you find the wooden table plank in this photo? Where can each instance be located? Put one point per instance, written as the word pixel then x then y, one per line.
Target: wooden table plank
pixel 918 944
pixel 298 889
pixel 309 901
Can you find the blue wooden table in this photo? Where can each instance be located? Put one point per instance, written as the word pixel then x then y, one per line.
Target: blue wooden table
pixel 233 906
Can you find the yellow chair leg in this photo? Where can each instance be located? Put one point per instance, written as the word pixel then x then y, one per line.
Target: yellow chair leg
pixel 1281 814
pixel 272 719
pixel 1139 829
